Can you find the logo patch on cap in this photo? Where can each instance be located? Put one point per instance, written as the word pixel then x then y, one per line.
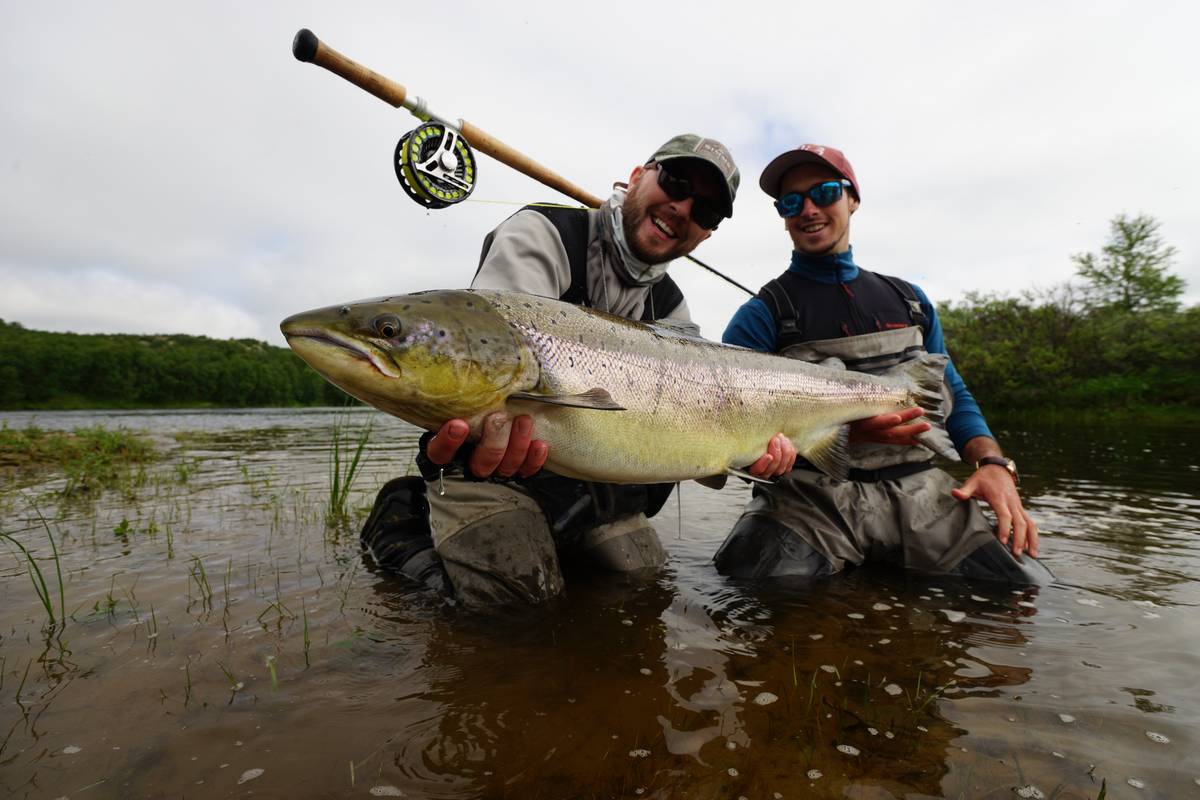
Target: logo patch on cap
pixel 717 154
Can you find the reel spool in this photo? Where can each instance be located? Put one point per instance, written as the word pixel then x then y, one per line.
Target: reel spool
pixel 435 166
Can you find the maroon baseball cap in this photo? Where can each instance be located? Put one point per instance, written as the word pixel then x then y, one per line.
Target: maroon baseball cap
pixel 807 154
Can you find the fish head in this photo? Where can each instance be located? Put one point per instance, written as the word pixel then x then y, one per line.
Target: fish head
pixel 425 357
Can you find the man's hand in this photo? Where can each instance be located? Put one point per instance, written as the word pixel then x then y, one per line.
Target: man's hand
pixel 993 485
pixel 505 448
pixel 895 428
pixel 778 460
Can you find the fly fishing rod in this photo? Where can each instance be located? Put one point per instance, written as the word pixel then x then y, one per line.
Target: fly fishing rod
pixel 434 162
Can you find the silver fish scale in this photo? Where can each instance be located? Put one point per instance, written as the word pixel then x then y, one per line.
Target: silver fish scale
pixel 692 408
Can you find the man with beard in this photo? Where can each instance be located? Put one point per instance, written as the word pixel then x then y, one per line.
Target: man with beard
pixel 498 524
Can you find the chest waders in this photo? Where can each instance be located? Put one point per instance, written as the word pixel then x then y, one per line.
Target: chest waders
pixel 896 507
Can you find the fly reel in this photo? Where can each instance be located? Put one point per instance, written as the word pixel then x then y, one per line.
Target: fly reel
pixel 435 165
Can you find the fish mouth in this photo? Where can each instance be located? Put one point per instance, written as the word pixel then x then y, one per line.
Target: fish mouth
pixel 351 346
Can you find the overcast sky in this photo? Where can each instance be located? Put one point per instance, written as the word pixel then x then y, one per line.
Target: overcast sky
pixel 169 167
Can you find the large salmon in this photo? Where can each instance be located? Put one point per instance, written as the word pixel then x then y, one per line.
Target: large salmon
pixel 615 400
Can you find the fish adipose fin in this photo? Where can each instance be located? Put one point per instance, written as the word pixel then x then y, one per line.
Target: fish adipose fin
pixel 925 376
pixel 597 399
pixel 831 453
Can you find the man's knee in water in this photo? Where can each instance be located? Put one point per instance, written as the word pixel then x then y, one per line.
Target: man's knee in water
pixel 506 558
pixel 760 547
pixel 396 533
pixel 624 545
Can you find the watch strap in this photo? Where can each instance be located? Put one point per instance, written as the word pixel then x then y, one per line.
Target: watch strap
pixel 1000 461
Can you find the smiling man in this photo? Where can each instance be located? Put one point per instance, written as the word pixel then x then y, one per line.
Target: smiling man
pixel 896 507
pixel 497 523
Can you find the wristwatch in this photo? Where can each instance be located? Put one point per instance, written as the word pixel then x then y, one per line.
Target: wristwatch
pixel 1000 461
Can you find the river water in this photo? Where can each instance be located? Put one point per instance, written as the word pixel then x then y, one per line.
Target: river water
pixel 223 641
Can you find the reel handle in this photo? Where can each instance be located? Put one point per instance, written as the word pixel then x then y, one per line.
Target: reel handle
pixel 308 48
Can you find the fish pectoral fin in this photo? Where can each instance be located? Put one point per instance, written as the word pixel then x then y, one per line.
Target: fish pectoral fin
pixel 831 453
pixel 937 440
pixel 597 399
pixel 741 473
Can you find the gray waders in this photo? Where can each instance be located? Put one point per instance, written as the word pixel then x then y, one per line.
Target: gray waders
pixel 896 508
pixel 502 543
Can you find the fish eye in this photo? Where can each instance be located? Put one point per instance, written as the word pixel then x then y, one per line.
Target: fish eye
pixel 386 325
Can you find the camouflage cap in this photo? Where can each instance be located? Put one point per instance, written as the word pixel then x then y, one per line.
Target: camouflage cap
pixel 710 151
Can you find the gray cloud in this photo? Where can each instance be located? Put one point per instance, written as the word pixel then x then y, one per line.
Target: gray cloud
pixel 171 168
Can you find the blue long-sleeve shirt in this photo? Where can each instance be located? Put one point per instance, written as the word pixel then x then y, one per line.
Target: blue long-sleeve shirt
pixel 753 326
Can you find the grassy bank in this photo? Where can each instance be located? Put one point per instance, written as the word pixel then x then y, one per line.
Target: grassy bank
pixel 90 458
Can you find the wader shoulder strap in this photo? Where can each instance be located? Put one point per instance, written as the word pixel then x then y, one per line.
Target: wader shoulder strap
pixel 572 225
pixel 665 297
pixel 909 295
pixel 787 321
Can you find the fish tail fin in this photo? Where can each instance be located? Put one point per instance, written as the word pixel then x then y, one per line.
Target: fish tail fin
pixel 925 376
pixel 831 453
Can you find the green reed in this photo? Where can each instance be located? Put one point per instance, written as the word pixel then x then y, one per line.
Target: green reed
pixel 345 462
pixel 40 585
pixel 201 579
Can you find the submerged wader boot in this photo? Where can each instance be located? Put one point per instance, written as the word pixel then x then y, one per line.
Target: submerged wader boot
pixel 759 547
pixel 993 561
pixel 397 535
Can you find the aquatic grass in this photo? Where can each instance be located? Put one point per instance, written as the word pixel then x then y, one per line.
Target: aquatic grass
pixel 152 625
pixel 200 577
pixel 307 640
pixel 344 467
pixel 235 685
pixel 40 586
pixel 35 576
pixel 90 458
pixel 274 675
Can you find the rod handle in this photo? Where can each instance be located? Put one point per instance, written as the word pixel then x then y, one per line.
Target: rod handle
pixel 308 48
pixel 484 142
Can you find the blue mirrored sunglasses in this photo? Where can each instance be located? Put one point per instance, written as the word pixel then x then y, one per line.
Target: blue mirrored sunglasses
pixel 823 195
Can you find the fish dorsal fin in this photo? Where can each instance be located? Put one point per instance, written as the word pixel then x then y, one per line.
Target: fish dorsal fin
pixel 830 453
pixel 597 399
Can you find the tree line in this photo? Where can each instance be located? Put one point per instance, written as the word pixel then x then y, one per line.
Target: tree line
pixel 1117 338
pixel 44 370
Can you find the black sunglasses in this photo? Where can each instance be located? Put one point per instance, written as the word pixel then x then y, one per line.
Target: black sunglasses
pixel 823 195
pixel 679 188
